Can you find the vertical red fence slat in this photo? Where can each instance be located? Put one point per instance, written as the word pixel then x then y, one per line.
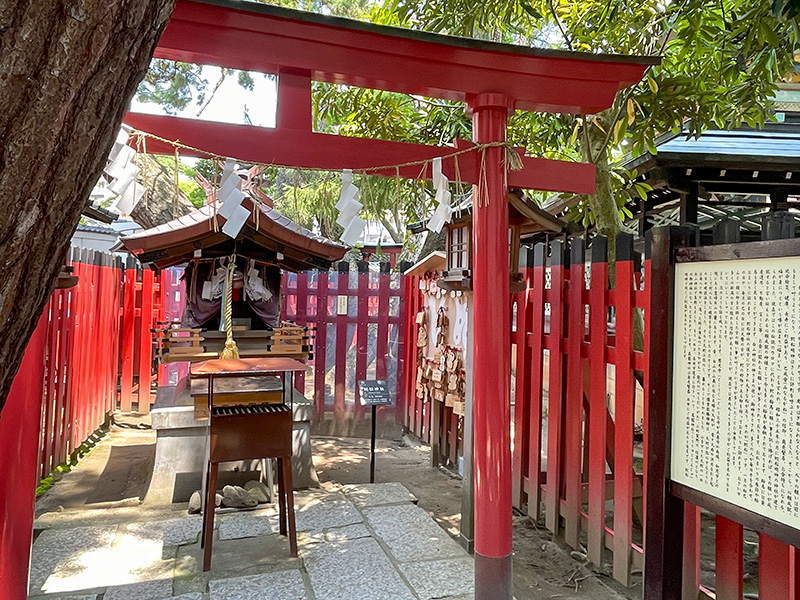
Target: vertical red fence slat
pixel 522 388
pixel 598 410
pixel 80 341
pixel 51 312
pixel 535 342
pixel 361 333
pixel 401 332
pixel 320 345
pixel 729 567
pixel 146 340
pixel 342 289
pixel 164 291
pixel 60 438
pixel 624 392
pixel 776 569
pixel 301 318
pixel 382 341
pixel 691 550
pixel 574 394
pixel 127 342
pixel 555 387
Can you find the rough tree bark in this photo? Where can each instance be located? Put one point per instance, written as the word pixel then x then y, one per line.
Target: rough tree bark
pixel 158 205
pixel 604 206
pixel 68 69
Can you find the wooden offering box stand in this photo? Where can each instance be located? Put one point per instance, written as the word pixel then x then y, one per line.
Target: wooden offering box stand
pixel 249 407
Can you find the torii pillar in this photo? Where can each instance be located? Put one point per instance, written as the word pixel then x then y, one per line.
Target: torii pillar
pixel 491 354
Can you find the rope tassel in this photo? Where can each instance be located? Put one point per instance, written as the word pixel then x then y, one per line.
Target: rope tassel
pixel 231 351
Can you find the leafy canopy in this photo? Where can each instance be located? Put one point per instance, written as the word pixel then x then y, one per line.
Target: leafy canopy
pixel 721 64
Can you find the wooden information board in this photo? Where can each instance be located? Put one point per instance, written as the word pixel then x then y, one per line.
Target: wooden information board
pixel 736 384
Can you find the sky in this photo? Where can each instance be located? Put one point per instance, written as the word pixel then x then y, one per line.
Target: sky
pixel 230 102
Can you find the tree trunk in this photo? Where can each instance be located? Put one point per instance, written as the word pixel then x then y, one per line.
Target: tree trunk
pixel 604 207
pixel 602 203
pixel 158 205
pixel 67 72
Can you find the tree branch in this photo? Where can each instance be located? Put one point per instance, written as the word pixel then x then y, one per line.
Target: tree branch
pixel 560 27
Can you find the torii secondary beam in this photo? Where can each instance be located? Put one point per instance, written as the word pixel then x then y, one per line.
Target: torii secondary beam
pixel 306 149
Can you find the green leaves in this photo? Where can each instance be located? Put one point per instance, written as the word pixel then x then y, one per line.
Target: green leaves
pixel 172 85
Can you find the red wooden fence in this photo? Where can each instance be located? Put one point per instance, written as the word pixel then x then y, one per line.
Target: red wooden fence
pixel 81 356
pixel 359 318
pixel 160 297
pixel 575 457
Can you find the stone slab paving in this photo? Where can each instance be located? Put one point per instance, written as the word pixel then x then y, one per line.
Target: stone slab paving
pixel 248 524
pixel 367 541
pixel 73 597
pixel 317 511
pixel 354 570
pixel 410 534
pixel 282 585
pixel 143 590
pixel 171 532
pixel 77 554
pixel 348 532
pixel 452 577
pixel 378 494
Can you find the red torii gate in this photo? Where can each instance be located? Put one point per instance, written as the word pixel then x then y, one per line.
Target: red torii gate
pixel 493 79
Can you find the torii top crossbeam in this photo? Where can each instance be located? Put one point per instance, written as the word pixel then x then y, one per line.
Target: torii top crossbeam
pixel 300 47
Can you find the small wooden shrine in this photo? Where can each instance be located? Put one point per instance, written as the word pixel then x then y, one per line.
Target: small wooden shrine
pixel 525 217
pixel 267 243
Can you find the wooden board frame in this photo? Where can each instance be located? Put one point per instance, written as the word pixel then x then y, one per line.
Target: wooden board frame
pixel 665 499
pixel 786 248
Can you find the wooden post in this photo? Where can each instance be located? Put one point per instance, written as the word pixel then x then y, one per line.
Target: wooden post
pixel 776 569
pixel 536 343
pixel 688 207
pixel 624 395
pixel 340 374
pixel 320 345
pixel 522 390
pixel 573 406
pixel 663 535
pixel 729 568
pixel 598 406
pixel 556 387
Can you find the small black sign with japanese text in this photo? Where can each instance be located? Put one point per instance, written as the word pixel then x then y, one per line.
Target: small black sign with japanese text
pixel 374 392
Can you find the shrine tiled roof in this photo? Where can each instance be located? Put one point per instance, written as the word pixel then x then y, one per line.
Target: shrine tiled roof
pixel 294 246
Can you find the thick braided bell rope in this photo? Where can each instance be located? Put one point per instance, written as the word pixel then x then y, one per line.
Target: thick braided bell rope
pixel 230 351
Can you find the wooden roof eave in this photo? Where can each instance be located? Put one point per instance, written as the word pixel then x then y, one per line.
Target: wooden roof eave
pixel 533 212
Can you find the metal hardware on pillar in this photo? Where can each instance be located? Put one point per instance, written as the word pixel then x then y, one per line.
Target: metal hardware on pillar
pixel 491 354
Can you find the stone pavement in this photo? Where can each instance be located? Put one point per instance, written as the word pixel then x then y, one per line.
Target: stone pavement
pixel 361 542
